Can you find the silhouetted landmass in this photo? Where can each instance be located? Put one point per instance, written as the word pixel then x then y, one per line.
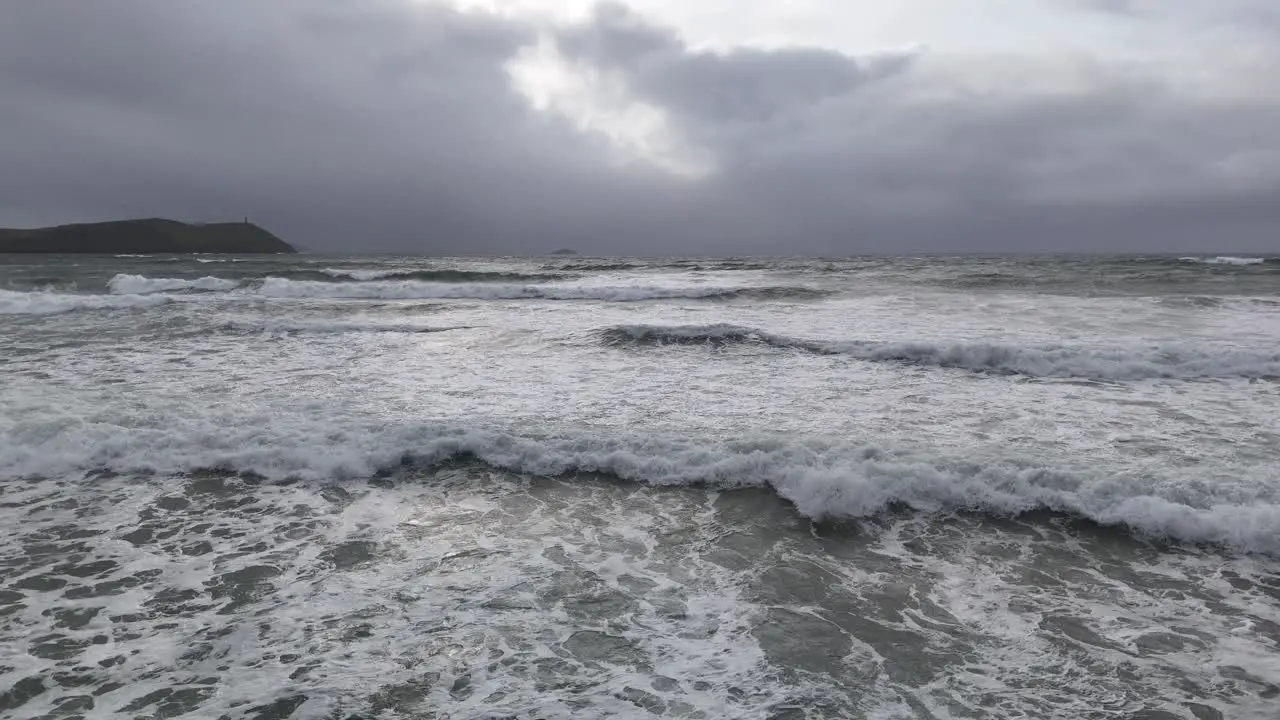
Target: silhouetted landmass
pixel 144 237
pixel 564 251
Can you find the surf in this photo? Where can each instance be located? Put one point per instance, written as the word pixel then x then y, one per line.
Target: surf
pixel 42 302
pixel 1047 361
pixel 417 290
pixel 126 284
pixel 823 479
pixel 442 275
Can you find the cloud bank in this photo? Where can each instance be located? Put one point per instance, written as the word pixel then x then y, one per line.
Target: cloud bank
pixel 479 128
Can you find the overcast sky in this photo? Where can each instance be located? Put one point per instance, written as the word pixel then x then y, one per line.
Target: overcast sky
pixel 653 126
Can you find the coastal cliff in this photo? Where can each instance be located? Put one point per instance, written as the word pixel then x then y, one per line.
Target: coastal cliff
pixel 149 236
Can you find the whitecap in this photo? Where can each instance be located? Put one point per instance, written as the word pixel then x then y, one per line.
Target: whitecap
pixel 822 479
pixel 1045 361
pixel 49 303
pixel 416 290
pixel 124 284
pixel 1225 260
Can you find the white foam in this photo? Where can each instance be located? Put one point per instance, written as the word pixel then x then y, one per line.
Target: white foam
pixel 438 275
pixel 1048 361
pixel 325 327
pixel 48 303
pixel 822 479
pixel 692 620
pixel 1225 260
pixel 1099 364
pixel 124 284
pixel 417 290
pixel 359 274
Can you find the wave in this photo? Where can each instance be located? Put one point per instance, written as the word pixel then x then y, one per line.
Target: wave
pixel 416 290
pixel 991 358
pixel 42 282
pixel 123 284
pixel 713 335
pixel 823 480
pixel 686 265
pixel 600 267
pixel 452 276
pixel 334 327
pixel 43 302
pixel 1226 260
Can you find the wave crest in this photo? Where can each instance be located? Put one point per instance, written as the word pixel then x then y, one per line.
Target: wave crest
pixel 49 303
pixel 824 480
pixel 416 290
pixel 124 284
pixel 450 276
pixel 333 327
pixel 1227 260
pixel 992 358
pixel 602 266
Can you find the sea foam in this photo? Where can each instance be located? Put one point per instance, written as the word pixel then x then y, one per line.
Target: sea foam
pixel 441 275
pixel 417 290
pixel 1226 260
pixel 124 284
pixel 1049 361
pixel 823 479
pixel 334 327
pixel 49 303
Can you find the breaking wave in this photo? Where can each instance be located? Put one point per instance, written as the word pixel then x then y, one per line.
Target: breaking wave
pixel 1041 362
pixel 334 327
pixel 124 284
pixel 1226 260
pixel 698 265
pixel 49 303
pixel 416 290
pixel 600 266
pixel 824 480
pixel 451 276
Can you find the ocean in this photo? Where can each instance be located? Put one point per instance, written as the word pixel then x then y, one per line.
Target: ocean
pixel 570 487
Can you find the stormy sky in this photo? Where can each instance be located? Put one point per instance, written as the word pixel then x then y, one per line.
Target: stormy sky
pixel 653 126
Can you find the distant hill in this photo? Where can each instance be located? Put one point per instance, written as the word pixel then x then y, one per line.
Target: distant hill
pixel 144 237
pixel 564 251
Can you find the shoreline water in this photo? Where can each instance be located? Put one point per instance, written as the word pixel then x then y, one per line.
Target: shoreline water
pixel 561 488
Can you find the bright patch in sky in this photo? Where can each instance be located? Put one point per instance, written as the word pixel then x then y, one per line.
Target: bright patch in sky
pixel 595 101
pixel 1133 29
pixel 991 47
pixel 861 26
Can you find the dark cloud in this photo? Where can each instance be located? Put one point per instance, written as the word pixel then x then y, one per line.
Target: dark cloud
pixel 1120 7
pixel 717 88
pixel 396 126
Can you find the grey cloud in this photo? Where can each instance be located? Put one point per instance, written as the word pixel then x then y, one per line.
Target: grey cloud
pixel 379 125
pixel 1120 7
pixel 1262 17
pixel 740 86
pixel 838 140
pixel 616 35
pixel 390 126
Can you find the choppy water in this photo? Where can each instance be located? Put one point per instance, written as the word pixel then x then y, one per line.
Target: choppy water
pixel 556 488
